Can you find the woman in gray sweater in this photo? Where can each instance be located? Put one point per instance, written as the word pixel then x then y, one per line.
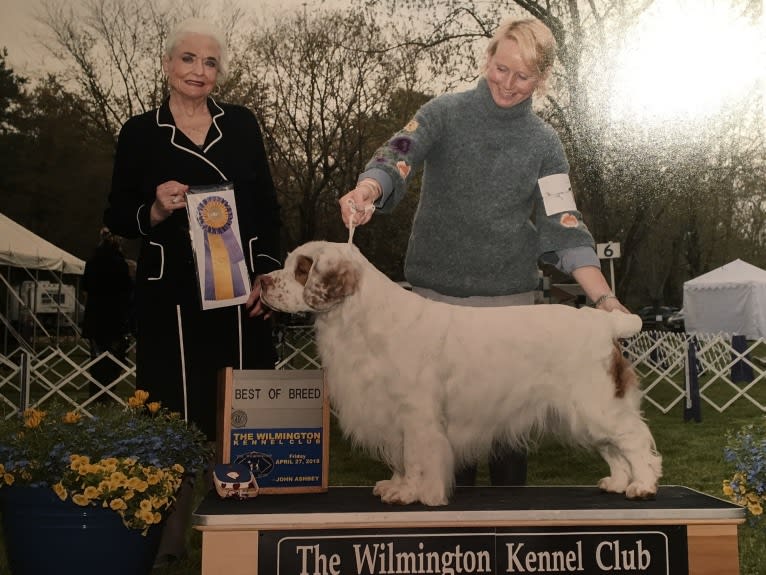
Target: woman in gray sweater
pixel 495 196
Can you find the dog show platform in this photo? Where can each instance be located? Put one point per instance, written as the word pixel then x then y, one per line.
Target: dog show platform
pixel 349 531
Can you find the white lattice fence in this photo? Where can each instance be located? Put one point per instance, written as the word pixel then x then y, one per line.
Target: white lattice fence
pixel 55 373
pixel 726 372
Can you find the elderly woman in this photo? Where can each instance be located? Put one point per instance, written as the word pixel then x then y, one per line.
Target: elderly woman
pixel 192 140
pixel 495 196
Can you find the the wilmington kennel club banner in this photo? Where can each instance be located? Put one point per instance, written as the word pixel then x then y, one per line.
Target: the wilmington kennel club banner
pixel 218 254
pixel 650 550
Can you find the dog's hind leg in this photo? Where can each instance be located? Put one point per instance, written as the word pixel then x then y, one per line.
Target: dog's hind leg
pixel 634 463
pixel 619 470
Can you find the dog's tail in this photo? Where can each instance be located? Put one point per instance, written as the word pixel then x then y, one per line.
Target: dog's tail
pixel 624 324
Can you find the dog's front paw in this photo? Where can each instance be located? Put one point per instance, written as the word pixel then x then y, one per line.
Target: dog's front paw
pixel 396 492
pixel 384 486
pixel 613 484
pixel 641 490
pixel 401 492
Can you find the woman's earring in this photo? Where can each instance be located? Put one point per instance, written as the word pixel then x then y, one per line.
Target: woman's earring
pixel 217 90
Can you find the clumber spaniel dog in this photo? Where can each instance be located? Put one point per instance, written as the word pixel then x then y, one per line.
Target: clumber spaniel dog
pixel 428 386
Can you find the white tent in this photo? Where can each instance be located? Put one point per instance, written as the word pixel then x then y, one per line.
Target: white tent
pixel 22 249
pixel 37 300
pixel 730 299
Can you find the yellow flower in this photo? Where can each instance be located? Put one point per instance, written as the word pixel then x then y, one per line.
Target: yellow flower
pixel 76 461
pixel 80 500
pixel 727 490
pixel 60 490
pixel 72 417
pixel 177 467
pixel 33 417
pixel 90 492
pixel 755 508
pixel 145 515
pixel 153 406
pixel 118 504
pixel 118 479
pixel 8 478
pixel 138 399
pixel 138 484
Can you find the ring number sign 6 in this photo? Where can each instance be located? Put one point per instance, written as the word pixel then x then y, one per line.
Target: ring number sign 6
pixel 608 251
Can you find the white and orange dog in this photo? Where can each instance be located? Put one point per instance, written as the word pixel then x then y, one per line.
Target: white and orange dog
pixel 428 386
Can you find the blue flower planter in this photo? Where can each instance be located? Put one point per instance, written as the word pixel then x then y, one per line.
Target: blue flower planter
pixel 47 536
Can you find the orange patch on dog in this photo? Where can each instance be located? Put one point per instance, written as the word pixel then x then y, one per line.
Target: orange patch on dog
pixel 622 372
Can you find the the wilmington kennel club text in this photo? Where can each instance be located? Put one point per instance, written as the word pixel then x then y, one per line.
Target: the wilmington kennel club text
pixel 609 556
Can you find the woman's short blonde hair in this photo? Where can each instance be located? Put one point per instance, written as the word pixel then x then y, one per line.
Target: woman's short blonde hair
pixel 203 28
pixel 536 41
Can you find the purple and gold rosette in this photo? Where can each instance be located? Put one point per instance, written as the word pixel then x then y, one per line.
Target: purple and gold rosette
pixel 223 253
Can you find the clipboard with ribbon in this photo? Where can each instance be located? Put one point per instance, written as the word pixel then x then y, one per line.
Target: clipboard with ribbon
pixel 219 258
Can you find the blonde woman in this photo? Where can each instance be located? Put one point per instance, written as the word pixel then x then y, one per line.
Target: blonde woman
pixel 495 197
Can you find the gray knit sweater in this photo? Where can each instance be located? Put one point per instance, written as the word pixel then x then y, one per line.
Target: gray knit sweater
pixel 473 232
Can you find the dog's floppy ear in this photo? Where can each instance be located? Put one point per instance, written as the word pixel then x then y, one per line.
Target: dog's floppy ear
pixel 330 279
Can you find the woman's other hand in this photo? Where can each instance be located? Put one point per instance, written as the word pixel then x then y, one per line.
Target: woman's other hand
pixel 168 197
pixel 254 305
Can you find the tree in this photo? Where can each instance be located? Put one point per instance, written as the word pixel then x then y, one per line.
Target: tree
pixel 58 182
pixel 318 84
pixel 13 102
pixel 12 95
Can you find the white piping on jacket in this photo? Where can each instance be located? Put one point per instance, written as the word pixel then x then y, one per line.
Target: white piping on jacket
pixel 162 261
pixel 239 329
pixel 192 152
pixel 138 220
pixel 183 362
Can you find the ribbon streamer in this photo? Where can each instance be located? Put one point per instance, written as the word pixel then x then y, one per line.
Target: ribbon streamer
pixel 222 251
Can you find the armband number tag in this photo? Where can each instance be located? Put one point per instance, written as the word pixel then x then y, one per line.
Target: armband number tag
pixel 557 194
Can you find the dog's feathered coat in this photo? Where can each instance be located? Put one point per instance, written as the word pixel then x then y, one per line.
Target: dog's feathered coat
pixel 428 386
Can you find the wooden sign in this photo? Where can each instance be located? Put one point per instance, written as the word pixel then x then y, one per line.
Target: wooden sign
pixel 277 423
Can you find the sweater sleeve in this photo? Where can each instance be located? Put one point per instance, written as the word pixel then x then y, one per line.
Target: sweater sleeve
pixel 126 214
pixel 403 155
pixel 562 230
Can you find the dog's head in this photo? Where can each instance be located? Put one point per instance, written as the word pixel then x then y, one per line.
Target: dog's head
pixel 316 277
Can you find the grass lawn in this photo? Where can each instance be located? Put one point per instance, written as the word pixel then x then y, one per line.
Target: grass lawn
pixel 692 456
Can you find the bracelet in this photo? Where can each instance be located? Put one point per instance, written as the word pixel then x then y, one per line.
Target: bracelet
pixel 603 298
